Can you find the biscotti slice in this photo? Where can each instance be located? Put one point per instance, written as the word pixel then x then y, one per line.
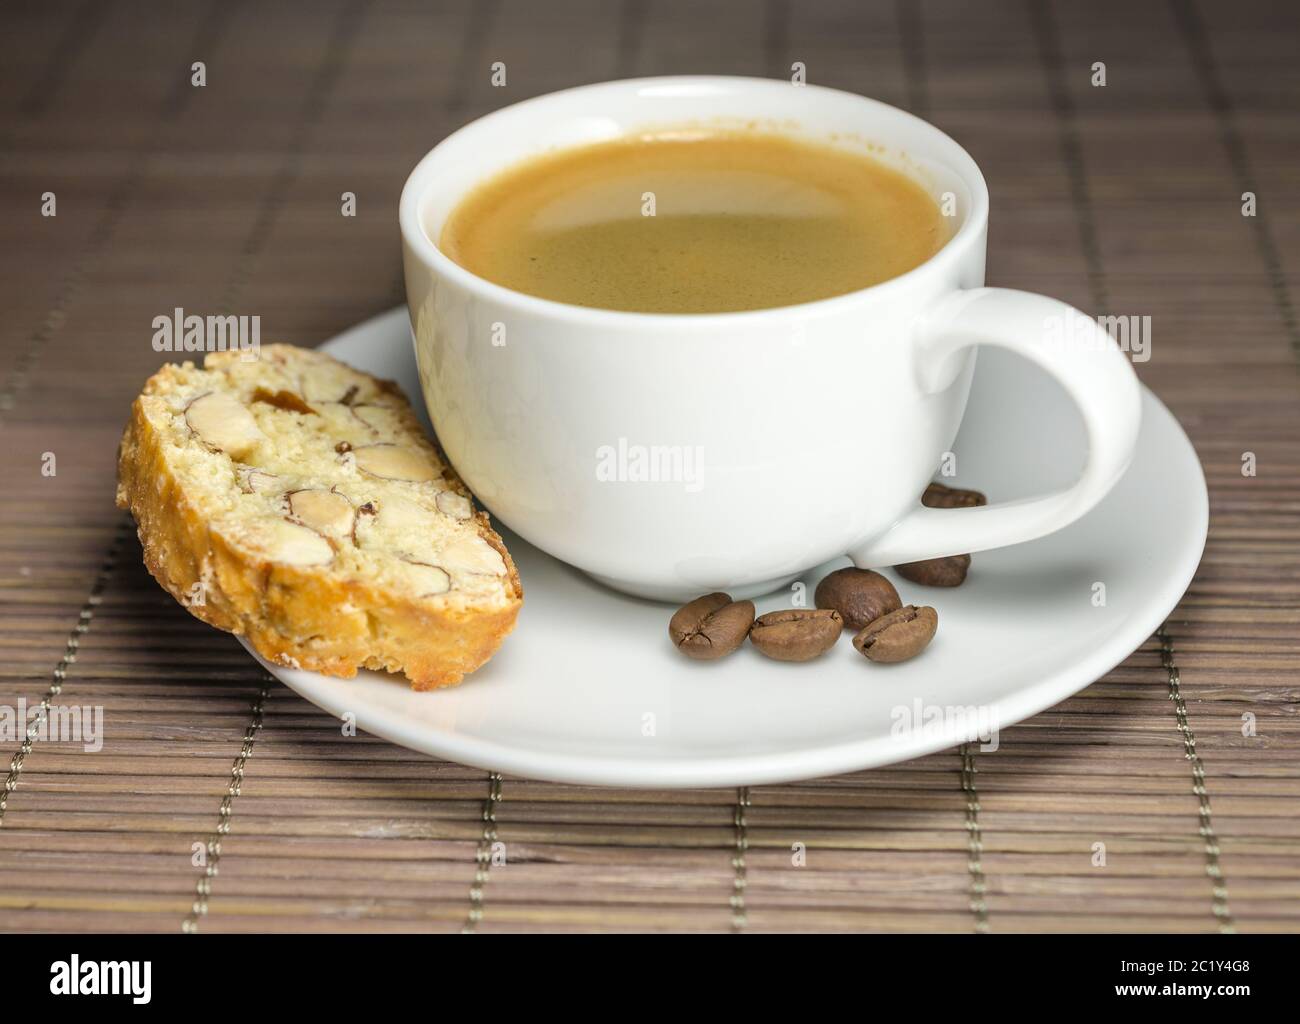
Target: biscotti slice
pixel 296 502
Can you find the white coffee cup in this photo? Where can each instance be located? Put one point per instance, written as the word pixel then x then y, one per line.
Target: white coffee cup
pixel 780 437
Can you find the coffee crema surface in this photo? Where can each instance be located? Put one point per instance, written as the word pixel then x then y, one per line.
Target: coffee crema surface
pixel 694 222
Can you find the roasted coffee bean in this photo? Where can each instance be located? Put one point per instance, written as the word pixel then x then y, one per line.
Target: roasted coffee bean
pixel 796 634
pixel 940 496
pixel 936 572
pixel 942 572
pixel 899 635
pixel 711 626
pixel 859 595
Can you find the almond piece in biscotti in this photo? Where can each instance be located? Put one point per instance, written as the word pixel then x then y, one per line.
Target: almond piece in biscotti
pixel 328 384
pixel 289 543
pixel 455 505
pixel 377 419
pixel 223 423
pixel 324 511
pixel 428 580
pixel 394 462
pixel 473 555
pixel 257 481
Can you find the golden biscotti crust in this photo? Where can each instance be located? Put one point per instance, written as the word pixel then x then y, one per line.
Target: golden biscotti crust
pixel 301 616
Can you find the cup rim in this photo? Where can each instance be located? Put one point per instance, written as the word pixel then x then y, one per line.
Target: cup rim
pixel 419 182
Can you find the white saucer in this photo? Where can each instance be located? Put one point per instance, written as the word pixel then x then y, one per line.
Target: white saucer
pixel 588 689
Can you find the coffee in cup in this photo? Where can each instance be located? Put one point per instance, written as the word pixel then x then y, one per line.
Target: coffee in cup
pixel 695 222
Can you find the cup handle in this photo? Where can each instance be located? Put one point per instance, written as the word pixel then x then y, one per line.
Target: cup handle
pixel 1087 363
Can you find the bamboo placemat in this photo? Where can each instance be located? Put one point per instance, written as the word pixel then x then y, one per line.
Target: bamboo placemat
pixel 1183 763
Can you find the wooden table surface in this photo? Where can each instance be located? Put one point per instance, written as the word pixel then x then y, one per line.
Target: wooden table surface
pixel 220 801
